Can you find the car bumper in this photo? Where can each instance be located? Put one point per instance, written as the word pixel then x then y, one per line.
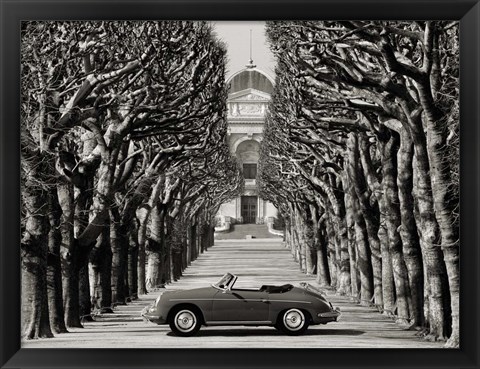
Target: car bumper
pixel 329 316
pixel 152 316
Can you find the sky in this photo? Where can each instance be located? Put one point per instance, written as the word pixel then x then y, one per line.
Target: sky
pixel 236 34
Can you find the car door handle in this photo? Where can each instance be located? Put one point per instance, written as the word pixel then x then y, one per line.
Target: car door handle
pixel 264 301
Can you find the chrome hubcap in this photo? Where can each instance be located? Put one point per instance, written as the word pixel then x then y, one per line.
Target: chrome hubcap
pixel 294 319
pixel 185 320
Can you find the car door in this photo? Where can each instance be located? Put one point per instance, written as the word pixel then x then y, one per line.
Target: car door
pixel 240 306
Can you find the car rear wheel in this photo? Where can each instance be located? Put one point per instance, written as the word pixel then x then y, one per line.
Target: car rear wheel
pixel 293 322
pixel 185 322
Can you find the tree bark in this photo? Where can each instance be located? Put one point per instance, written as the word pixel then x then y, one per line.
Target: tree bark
pixel 429 239
pixel 118 247
pixel 35 313
pixel 412 252
pixel 350 220
pixel 370 213
pixel 69 252
pixel 388 288
pixel 107 301
pixel 319 247
pixel 390 190
pixel 54 270
pixel 446 208
pixel 84 293
pixel 168 247
pixel 344 278
pixel 133 262
pixel 323 273
pixel 154 248
pixel 363 260
pixel 142 238
pixel 332 257
pixel 310 254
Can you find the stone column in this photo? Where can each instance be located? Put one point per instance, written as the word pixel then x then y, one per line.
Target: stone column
pixel 260 211
pixel 238 212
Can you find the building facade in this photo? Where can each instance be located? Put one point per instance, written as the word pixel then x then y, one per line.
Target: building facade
pixel 250 91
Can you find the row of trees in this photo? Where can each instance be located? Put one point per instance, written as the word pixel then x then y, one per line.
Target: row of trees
pixel 124 162
pixel 361 153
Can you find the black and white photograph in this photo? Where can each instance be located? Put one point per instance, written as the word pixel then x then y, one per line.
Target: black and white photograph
pixel 253 184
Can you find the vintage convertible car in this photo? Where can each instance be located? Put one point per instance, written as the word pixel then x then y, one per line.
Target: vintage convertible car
pixel 289 309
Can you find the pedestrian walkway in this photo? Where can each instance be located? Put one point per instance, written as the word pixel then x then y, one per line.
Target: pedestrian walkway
pixel 240 231
pixel 256 262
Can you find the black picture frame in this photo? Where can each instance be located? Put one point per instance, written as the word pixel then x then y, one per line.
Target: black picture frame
pixel 12 12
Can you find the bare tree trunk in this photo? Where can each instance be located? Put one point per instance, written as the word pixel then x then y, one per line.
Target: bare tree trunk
pixel 408 230
pixel 168 247
pixel 34 248
pixel 323 273
pixel 310 254
pixel 133 262
pixel 118 246
pixel 388 287
pixel 363 261
pixel 186 247
pixel 100 267
pixel 296 245
pixel 350 220
pixel 84 293
pixel 54 270
pixel 344 282
pixel 332 257
pixel 446 207
pixel 94 271
pixel 318 246
pixel 142 237
pixel 142 288
pixel 434 266
pixel 69 252
pixel 194 240
pixel 390 190
pixel 300 232
pixel 189 244
pixel 106 276
pixel 154 247
pixel 372 179
pixel 370 215
pixel 211 233
pixel 432 255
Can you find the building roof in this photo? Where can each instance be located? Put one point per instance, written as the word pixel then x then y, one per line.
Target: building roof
pixel 250 77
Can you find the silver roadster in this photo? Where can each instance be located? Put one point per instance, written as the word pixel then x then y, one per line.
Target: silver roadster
pixel 289 309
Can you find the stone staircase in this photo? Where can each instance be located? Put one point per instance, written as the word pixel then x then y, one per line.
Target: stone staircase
pixel 241 231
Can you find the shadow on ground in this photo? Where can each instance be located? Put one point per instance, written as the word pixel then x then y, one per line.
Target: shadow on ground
pixel 273 332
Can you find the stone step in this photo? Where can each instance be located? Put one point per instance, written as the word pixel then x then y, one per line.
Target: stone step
pixel 242 231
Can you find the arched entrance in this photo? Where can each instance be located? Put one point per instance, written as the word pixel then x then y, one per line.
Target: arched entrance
pixel 248 152
pixel 249 93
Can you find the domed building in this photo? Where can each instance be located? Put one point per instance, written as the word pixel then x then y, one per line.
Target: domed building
pixel 250 91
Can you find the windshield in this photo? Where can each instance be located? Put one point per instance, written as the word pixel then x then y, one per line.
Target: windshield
pixel 308 286
pixel 224 281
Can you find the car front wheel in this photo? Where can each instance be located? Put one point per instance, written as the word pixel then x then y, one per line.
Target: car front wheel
pixel 293 322
pixel 185 322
